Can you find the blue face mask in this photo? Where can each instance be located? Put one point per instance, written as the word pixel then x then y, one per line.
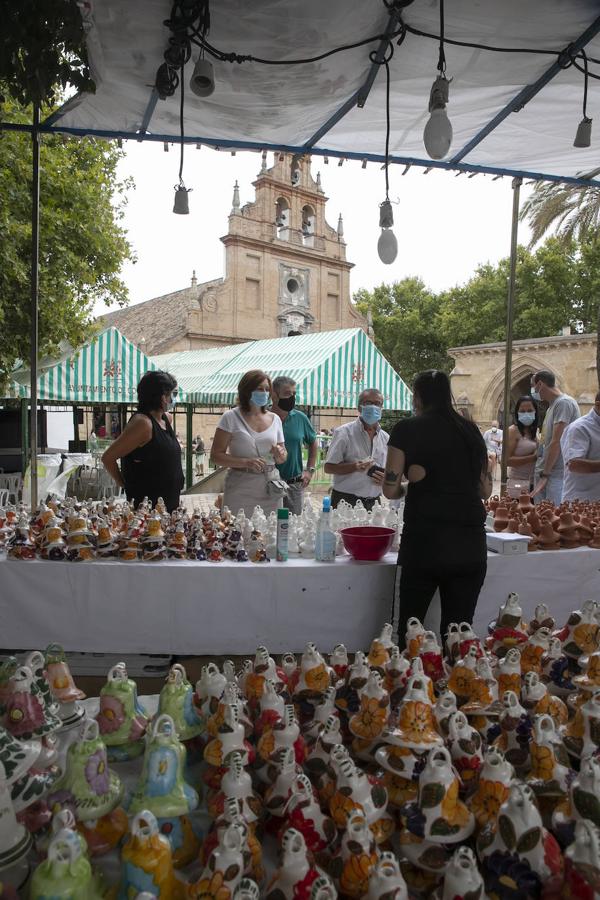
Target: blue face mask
pixel 526 418
pixel 173 400
pixel 370 414
pixel 259 398
pixel 535 394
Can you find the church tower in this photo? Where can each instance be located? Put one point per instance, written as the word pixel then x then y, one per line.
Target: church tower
pixel 285 266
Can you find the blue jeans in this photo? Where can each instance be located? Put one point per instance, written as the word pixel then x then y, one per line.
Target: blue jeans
pixel 553 489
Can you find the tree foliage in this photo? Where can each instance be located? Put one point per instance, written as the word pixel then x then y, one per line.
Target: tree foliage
pixel 557 285
pixel 82 244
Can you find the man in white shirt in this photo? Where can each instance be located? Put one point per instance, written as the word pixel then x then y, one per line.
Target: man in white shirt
pixel 357 454
pixel 493 442
pixel 580 448
pixel 562 411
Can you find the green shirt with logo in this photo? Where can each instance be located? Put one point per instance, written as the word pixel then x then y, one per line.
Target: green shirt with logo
pixel 297 431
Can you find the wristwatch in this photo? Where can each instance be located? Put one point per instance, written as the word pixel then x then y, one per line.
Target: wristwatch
pixel 311 469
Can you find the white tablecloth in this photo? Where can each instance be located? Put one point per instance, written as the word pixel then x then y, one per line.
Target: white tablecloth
pixel 230 608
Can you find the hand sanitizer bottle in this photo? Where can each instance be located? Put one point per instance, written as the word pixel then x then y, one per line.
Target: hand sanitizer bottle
pixel 325 538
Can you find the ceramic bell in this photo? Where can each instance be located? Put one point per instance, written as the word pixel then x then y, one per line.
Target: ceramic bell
pixel 231 697
pixel 63 689
pixel 582 863
pixel 358 855
pixel 15 841
pixel 280 791
pixel 25 712
pixel 509 672
pixel 444 706
pixel 532 652
pixel 296 872
pixel 386 881
pixel 438 815
pixel 414 637
pixel 541 619
pixel 550 774
pixel 356 678
pixel 122 720
pixel 371 718
pixel 462 878
pixel 304 814
pixel 323 888
pixel 66 873
pixel 416 668
pixel 431 656
pixel 538 701
pixel 508 630
pixel 236 785
pixel 251 845
pixel 581 634
pixel 416 723
pixel 515 724
pixel 323 709
pixel 177 700
pixel 317 763
pixel 209 689
pixel 16 756
pixel 583 801
pixel 231 737
pixel 466 747
pixel 463 675
pixel 223 873
pixel 494 779
pixel 146 863
pixel 355 791
pixel 590 679
pixel 314 675
pixel 400 773
pixel 582 734
pixel 161 787
pixel 397 673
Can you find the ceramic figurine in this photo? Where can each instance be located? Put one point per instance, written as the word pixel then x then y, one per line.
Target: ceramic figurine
pixel 533 651
pixel 583 801
pixel 494 779
pixel 541 619
pixel 438 815
pixel 515 725
pixel 550 774
pixel 161 787
pixel 358 855
pixel 230 738
pixel 355 791
pixel 63 689
pixel 236 785
pixel 589 680
pixel 582 734
pixel 431 656
pixel 177 543
pixel 414 637
pixel 66 872
pixel 79 546
pixel 508 630
pixel 582 863
pixel 538 701
pixel 314 676
pixel 209 689
pixel 146 863
pixel 386 881
pixel 25 712
pixel 462 878
pixel 416 724
pixel 153 542
pixel 466 747
pixel 177 700
pixel 106 546
pixel 223 873
pixel 556 670
pixel 54 546
pixel 20 545
pixel 509 672
pixel 304 814
pixel 581 634
pixel 122 720
pixel 371 718
pixel 463 676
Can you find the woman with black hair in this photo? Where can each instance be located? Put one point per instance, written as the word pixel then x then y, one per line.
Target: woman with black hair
pixel 148 447
pixel 522 447
pixel 444 459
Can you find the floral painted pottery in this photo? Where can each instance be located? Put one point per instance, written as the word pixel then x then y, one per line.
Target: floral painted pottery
pixel 416 723
pixel 296 872
pixel 590 679
pixel 371 718
pixel 146 863
pixel 494 779
pixel 443 708
pixel 538 701
pixel 63 818
pixel 463 676
pixel 582 734
pixel 209 688
pixel 386 881
pixel 177 700
pixel 224 870
pixel 430 654
pixel 466 748
pixel 509 672
pixel 414 637
pixel 66 873
pixel 25 713
pixel 63 689
pixel 236 785
pixel 323 888
pixel 399 776
pixel 438 815
pixel 416 668
pixel 20 545
pixel 397 672
pixel 583 801
pixel 508 630
pixel 580 636
pixel 541 619
pixel 323 709
pixel 271 709
pixel 462 878
pixel 304 814
pixel 283 735
pixel 519 833
pixel 533 651
pixel 280 791
pixel 550 773
pixel 318 762
pixel 161 787
pixel 15 841
pixel 352 867
pixel 17 756
pixel 231 737
pixel 314 675
pixel 378 654
pixel 582 863
pixel 122 720
pixel 556 670
pixel 354 790
pixel 338 660
pixel 231 697
pixel 515 725
pixel 251 846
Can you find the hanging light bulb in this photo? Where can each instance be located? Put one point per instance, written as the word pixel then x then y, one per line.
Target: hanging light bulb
pixel 583 137
pixel 437 135
pixel 181 205
pixel 387 245
pixel 202 81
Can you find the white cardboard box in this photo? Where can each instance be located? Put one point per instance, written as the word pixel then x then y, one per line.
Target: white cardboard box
pixel 507 544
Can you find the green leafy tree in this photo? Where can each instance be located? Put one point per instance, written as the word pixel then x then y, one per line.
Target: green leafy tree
pixel 405 326
pixel 82 244
pixel 574 214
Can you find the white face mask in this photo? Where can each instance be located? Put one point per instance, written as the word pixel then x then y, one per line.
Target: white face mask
pixel 535 394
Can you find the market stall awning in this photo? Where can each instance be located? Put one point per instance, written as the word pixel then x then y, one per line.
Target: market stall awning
pixel 513 112
pixel 193 367
pixel 13 390
pixel 106 370
pixel 330 369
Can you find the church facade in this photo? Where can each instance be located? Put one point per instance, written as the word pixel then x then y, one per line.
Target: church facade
pixel 286 273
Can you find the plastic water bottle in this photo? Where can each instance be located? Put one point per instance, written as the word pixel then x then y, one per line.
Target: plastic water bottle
pixel 282 543
pixel 325 539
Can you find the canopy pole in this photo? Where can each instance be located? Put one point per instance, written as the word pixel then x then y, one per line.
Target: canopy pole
pixel 189 478
pixel 510 315
pixel 35 258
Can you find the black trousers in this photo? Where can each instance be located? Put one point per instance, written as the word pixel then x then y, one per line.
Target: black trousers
pixel 336 496
pixel 455 561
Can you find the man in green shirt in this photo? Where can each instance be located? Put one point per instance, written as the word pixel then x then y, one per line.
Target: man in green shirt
pixel 297 432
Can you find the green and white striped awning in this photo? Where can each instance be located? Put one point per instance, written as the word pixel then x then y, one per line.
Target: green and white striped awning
pixel 330 369
pixel 192 368
pixel 13 390
pixel 106 370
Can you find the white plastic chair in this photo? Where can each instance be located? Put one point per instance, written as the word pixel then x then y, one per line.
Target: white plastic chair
pixel 13 484
pixel 3 498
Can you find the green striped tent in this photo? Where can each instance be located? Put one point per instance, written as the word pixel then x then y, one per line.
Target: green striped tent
pixel 330 369
pixel 192 368
pixel 13 390
pixel 106 370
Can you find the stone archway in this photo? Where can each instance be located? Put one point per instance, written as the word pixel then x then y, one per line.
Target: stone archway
pixel 492 397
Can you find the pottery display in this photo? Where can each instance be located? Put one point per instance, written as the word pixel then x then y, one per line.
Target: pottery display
pixel 66 872
pixel 63 689
pixel 121 719
pixel 357 857
pixel 177 700
pixel 162 788
pixel 15 840
pixel 146 862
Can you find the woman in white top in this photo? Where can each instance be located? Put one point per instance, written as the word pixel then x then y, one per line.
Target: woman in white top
pixel 249 442
pixel 522 447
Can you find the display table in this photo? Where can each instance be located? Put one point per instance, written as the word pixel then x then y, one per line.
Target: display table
pixel 229 608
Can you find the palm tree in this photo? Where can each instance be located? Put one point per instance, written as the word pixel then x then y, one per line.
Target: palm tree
pixel 574 214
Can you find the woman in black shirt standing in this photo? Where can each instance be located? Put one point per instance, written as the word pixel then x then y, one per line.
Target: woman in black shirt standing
pixel 443 545
pixel 148 447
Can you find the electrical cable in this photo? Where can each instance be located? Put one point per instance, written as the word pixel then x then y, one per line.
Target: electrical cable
pixel 442 56
pixel 181 131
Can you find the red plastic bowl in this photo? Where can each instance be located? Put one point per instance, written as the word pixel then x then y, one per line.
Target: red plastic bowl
pixel 367 541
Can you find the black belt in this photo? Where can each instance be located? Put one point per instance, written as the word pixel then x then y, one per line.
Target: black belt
pixel 294 480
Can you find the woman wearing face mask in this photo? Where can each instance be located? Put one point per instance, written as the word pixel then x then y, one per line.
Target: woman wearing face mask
pixel 249 442
pixel 522 447
pixel 149 451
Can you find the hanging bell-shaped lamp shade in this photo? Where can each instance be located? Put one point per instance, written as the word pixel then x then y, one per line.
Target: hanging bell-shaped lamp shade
pixel 583 138
pixel 202 81
pixel 181 205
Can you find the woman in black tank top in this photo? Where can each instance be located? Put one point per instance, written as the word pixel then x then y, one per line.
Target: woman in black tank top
pixel 148 448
